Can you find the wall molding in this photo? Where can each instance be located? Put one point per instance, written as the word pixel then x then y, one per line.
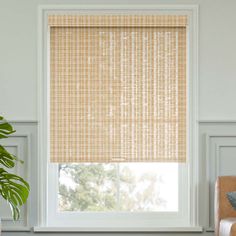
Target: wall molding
pixel 213 166
pixel 217 121
pixel 16 229
pixel 22 121
pixel 27 142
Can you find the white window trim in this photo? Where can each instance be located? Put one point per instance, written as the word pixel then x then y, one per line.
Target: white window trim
pixel 43 82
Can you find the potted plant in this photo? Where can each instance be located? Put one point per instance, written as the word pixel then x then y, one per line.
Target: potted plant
pixel 13 188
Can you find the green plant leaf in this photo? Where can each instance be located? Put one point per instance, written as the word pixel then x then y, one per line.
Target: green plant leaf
pixel 5 128
pixel 15 190
pixel 7 159
pixel 15 210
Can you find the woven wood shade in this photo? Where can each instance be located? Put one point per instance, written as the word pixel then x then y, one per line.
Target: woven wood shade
pixel 117 21
pixel 117 88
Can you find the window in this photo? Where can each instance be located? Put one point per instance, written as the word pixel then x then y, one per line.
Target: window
pixel 123 195
pixel 117 120
pixel 118 187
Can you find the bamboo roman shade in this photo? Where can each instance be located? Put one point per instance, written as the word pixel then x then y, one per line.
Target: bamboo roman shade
pixel 118 88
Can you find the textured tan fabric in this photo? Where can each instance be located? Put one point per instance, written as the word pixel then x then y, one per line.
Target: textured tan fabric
pixel 223 209
pixel 117 21
pixel 118 94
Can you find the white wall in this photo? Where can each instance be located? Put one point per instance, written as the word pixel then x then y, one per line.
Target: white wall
pixel 217 80
pixel 18 55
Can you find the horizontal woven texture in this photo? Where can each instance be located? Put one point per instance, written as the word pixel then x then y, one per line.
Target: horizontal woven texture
pixel 117 21
pixel 118 94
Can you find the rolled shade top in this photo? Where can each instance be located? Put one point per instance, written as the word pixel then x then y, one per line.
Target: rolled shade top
pixel 117 21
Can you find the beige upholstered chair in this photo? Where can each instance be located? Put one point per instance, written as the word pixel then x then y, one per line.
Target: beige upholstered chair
pixel 225 215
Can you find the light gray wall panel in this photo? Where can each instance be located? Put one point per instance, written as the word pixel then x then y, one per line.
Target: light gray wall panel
pixel 217 156
pixel 17 145
pixel 23 143
pixel 227 156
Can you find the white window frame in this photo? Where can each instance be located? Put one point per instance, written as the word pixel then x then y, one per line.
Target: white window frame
pixel 187 218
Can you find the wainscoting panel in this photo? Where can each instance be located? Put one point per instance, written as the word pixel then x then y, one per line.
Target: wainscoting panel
pixel 221 150
pixel 217 158
pixel 21 143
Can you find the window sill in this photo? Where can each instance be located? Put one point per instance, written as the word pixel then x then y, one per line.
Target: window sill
pixel 118 229
pixel 16 229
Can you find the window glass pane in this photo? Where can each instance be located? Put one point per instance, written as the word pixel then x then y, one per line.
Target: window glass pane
pixel 118 187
